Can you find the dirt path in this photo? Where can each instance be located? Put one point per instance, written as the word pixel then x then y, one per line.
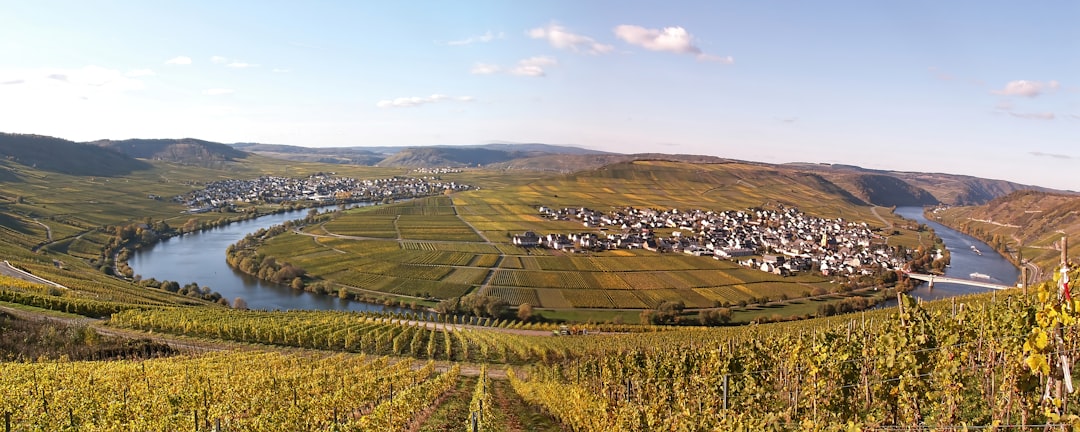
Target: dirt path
pixel 48 231
pixel 887 224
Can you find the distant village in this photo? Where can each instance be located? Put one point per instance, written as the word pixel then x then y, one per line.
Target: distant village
pixel 782 242
pixel 318 187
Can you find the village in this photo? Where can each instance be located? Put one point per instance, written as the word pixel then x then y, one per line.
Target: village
pixel 317 187
pixel 782 242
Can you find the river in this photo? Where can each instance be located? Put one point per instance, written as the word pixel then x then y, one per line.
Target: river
pixel 200 257
pixel 964 261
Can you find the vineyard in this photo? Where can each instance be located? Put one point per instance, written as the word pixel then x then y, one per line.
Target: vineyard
pixel 222 391
pixel 425 248
pixel 979 360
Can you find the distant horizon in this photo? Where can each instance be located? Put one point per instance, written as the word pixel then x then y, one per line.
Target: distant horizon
pixel 573 146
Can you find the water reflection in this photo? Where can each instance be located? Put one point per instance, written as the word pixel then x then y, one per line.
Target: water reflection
pixel 200 257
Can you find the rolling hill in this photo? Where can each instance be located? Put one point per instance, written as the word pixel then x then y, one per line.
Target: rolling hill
pixel 950 189
pixel 188 151
pixel 1036 220
pixel 62 156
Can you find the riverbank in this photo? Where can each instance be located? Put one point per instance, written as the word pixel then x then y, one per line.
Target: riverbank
pixel 964 260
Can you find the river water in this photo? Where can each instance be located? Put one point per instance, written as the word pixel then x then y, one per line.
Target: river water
pixel 964 261
pixel 200 257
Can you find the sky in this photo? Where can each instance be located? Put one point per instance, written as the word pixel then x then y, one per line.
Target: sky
pixel 983 88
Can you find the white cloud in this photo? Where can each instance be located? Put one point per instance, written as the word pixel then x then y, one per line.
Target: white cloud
pixel 218 91
pixel 1034 116
pixel 1027 88
pixel 232 63
pixel 485 69
pixel 670 39
pixel 486 37
pixel 716 58
pixel 139 73
pixel 182 60
pixel 560 38
pixel 408 102
pixel 533 66
pixel 279 70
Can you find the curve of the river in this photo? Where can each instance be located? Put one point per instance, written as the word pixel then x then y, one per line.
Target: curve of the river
pixel 965 261
pixel 200 257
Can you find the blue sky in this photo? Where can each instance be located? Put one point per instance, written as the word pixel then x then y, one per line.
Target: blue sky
pixel 983 88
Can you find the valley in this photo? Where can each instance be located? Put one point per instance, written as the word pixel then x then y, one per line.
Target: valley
pixel 478 301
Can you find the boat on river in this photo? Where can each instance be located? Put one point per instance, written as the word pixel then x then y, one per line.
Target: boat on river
pixel 976 250
pixel 978 275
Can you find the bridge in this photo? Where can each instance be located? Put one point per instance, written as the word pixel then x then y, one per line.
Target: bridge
pixel 945 279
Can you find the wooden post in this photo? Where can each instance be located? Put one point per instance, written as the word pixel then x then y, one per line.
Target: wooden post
pixel 725 391
pixel 7 421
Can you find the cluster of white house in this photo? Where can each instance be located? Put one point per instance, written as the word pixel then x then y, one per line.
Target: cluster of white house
pixel 783 241
pixel 318 187
pixel 446 170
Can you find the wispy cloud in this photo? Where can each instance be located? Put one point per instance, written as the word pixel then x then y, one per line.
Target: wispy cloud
pixel 485 69
pixel 534 66
pixel 670 39
pixel 1034 116
pixel 1050 155
pixel 232 63
pixel 787 120
pixel 1027 88
pixel 409 102
pixel 181 60
pixel 280 70
pixel 561 38
pixel 486 37
pixel 218 91
pixel 944 76
pixel 80 82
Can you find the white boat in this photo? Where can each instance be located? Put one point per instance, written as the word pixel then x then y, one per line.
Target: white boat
pixel 976 250
pixel 978 275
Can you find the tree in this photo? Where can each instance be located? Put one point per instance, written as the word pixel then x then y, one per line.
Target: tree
pixel 716 316
pixel 669 312
pixel 448 306
pixel 525 312
pixel 298 284
pixel 240 303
